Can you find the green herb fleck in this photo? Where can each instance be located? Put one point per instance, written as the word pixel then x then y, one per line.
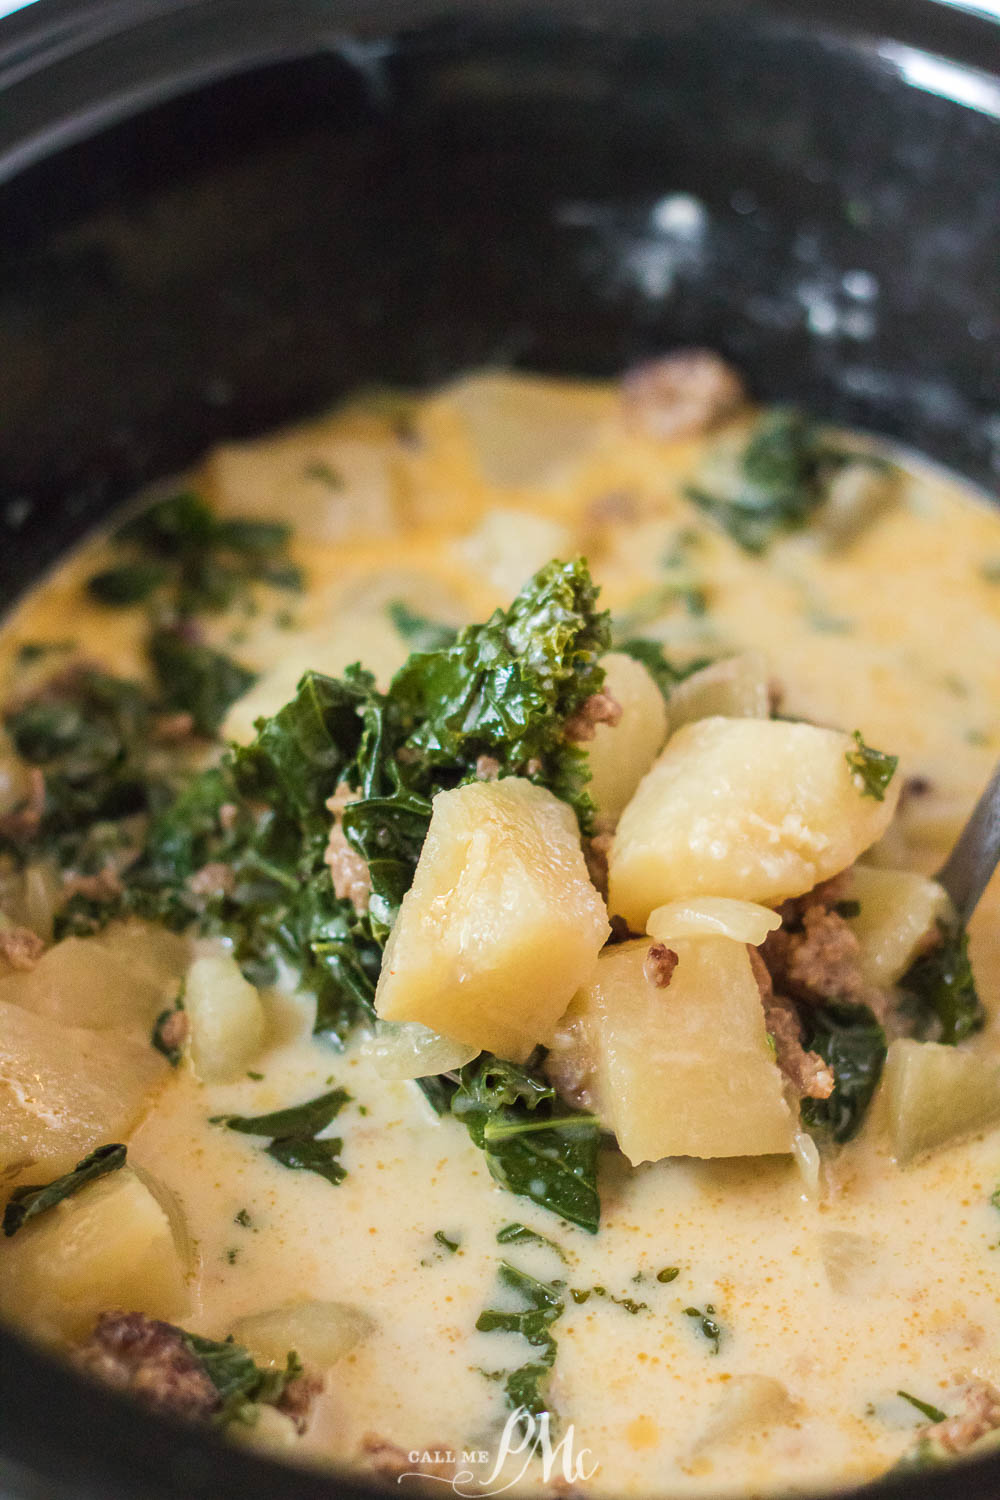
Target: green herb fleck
pixel 669 1273
pixel 872 769
pixel 131 583
pixel 847 909
pixel 446 1244
pixel 932 1413
pixel 317 468
pixel 28 1202
pixel 707 1326
pixel 243 1219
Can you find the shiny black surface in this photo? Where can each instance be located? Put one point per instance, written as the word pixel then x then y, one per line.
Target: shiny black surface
pixel 220 214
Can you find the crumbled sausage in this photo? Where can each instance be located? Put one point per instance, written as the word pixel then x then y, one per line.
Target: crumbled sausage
pixel 213 879
pixel 173 729
pixel 150 1361
pixel 599 708
pixel 681 395
pixel 104 886
pixel 173 1032
pixel 351 879
pixel 809 1075
pixel 23 823
pixel 659 965
pixel 228 814
pixel 298 1398
pixel 980 1414
pixel 21 947
pixel 814 955
pixel 487 768
pixel 389 1461
pixel 595 854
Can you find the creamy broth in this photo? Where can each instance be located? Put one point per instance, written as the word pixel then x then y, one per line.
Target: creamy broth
pixel 871 1280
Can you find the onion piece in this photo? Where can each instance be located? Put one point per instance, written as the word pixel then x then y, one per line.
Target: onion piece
pixel 713 916
pixel 406 1049
pixel 320 1333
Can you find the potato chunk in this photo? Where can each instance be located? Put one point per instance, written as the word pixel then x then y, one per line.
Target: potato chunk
pixel 685 1070
pixel 64 1090
pixel 110 1245
pixel 501 924
pixel 898 909
pixel 755 809
pixel 620 754
pixel 936 1094
pixel 736 688
pixel 228 1025
pixel 86 982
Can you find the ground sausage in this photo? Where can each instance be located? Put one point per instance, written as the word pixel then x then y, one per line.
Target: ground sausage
pixel 21 947
pixel 659 965
pixel 349 872
pixel 809 1075
pixel 814 955
pixel 599 708
pixel 980 1414
pixel 680 395
pixel 150 1361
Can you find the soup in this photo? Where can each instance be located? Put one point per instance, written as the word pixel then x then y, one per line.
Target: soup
pixel 542 1055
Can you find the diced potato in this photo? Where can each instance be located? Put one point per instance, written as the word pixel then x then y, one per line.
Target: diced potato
pixel 29 897
pixel 405 1049
pixel 151 951
pixel 228 1025
pixel 619 755
pixel 501 924
pixel 898 910
pixel 526 430
pixel 83 982
pixel 270 1430
pixel 685 1070
pixel 64 1090
pixel 108 1246
pixel 508 546
pixel 331 486
pixel 855 497
pixel 936 1094
pixel 755 809
pixel 748 1403
pixel 713 916
pixel 736 688
pixel 319 1332
pixel 371 638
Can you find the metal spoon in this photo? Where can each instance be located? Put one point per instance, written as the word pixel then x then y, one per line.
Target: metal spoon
pixel 966 872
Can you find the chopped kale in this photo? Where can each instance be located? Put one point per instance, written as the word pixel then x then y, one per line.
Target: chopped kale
pixel 938 991
pixel 294 1131
pixel 873 769
pixel 28 1202
pixel 303 1155
pixel 707 1326
pixel 423 633
pixel 932 1413
pixel 535 1146
pixel 847 909
pixel 306 1119
pixel 541 1307
pixel 131 583
pixel 520 1234
pixel 664 673
pixel 850 1039
pixel 196 679
pixel 243 1219
pixel 241 1384
pixel 446 1244
pixel 783 478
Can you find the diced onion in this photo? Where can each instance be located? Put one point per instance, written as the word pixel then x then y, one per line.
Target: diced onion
pixel 228 1026
pixel 748 1403
pixel 405 1049
pixel 713 916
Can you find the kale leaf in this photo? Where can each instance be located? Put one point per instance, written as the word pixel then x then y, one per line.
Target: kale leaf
pixel 423 633
pixel 938 991
pixel 306 1119
pixel 850 1039
pixel 874 769
pixel 294 1131
pixel 196 679
pixel 28 1202
pixel 534 1145
pixel 783 477
pixel 541 1307
pixel 241 1384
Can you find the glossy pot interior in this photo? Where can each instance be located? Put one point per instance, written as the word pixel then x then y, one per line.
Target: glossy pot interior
pixel 217 215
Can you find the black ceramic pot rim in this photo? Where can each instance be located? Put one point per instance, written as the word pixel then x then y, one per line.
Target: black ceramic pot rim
pixel 105 60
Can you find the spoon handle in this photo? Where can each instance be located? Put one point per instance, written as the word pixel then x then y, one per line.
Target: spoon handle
pixel 967 870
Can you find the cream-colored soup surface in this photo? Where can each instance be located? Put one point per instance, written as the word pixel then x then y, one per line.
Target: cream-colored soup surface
pixel 845 1288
